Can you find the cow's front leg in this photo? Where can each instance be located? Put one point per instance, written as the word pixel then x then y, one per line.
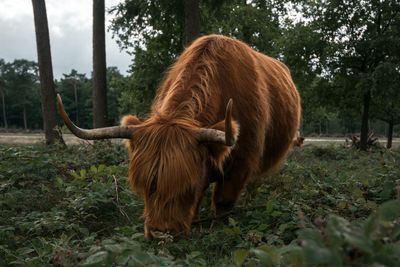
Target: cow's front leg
pixel 228 189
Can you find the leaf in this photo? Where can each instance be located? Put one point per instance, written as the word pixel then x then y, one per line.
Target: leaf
pixel 97 258
pixel 356 239
pixel 270 206
pixel 272 252
pixel 59 182
pixel 114 248
pixel 310 234
pixel 387 190
pixel 370 226
pixel 390 210
pixel 141 257
pixel 25 251
pixel 276 213
pixel 341 205
pixel 93 169
pixel 239 256
pixel 316 255
pixel 262 227
pixel 357 193
pixel 265 259
pixel 101 168
pixel 137 235
pixel 82 174
pixel 294 254
pixel 74 174
pixel 283 227
pixel 335 228
pixel 194 254
pixel 339 230
pixel 232 221
pixel 370 205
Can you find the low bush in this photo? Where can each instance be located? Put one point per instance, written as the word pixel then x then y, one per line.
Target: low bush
pixel 329 206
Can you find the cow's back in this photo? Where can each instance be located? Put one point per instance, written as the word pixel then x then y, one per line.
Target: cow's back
pixel 266 102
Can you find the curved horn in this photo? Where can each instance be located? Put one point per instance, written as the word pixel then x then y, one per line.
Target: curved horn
pixel 217 136
pixel 95 134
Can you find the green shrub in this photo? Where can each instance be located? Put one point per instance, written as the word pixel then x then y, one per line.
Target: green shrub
pixel 73 207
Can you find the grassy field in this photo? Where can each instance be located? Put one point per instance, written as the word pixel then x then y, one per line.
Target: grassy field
pixel 329 206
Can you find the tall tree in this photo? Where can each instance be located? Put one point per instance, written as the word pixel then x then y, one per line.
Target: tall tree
pixel 116 84
pixel 3 104
pixel 386 96
pixel 20 90
pixel 3 93
pixel 192 20
pixel 360 36
pixel 154 31
pixel 99 66
pixel 48 95
pixel 75 80
pixel 76 90
pixel 21 77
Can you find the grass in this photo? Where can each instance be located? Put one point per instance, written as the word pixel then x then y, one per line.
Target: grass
pixel 329 206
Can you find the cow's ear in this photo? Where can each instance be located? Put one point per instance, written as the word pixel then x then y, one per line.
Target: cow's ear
pixel 220 152
pixel 130 120
pixel 126 121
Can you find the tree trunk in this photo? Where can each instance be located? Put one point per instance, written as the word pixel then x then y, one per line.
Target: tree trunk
pixel 48 95
pixel 24 118
pixel 99 66
pixel 389 135
pixel 364 121
pixel 192 21
pixel 3 103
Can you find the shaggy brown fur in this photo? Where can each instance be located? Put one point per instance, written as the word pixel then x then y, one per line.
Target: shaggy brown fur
pixel 171 169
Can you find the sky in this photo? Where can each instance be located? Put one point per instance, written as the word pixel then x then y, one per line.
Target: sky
pixel 70 26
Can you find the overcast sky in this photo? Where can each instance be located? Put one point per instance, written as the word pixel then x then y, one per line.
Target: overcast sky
pixel 70 25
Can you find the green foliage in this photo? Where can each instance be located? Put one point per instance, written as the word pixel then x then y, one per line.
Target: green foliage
pixel 20 90
pixel 153 32
pixel 76 92
pixel 329 206
pixel 332 48
pixel 122 252
pixel 374 241
pixel 339 53
pixel 359 36
pixel 18 85
pixel 386 93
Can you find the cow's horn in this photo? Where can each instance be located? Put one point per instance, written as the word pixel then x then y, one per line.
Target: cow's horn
pixel 94 134
pixel 216 136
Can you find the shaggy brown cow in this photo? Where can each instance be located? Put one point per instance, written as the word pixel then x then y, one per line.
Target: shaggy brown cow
pixel 190 139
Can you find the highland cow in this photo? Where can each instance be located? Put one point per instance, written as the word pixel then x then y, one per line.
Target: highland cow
pixel 223 114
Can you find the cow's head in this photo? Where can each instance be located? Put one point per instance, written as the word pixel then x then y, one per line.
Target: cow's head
pixel 169 159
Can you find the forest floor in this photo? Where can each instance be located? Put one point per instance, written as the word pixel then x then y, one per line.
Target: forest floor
pixel 33 138
pixel 329 206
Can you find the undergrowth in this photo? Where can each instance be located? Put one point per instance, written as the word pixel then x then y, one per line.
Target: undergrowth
pixel 329 206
